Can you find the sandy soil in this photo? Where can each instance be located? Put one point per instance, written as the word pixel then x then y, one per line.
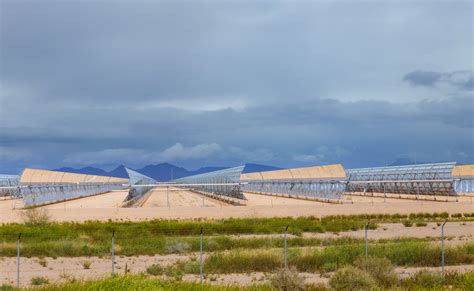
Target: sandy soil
pixel 104 207
pixel 108 200
pixel 63 269
pixel 178 198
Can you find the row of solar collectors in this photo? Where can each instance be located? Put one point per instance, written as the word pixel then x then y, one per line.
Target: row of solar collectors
pixel 37 186
pixel 214 182
pixel 41 194
pixel 331 181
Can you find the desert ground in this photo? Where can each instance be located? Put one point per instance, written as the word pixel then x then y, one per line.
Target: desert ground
pixel 185 204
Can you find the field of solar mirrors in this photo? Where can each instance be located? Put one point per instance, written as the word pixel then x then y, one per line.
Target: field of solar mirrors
pixel 427 249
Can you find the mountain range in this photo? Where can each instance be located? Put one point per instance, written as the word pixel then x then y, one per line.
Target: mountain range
pixel 162 172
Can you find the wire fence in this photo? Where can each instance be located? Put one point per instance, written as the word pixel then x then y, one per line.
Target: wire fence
pixel 116 237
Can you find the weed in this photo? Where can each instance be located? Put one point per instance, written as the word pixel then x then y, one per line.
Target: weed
pixel 380 269
pixel 421 223
pixel 408 223
pixel 177 247
pixel 155 270
pixel 43 262
pixel 86 264
pixel 35 216
pixel 351 278
pixel 425 279
pixel 36 281
pixel 288 280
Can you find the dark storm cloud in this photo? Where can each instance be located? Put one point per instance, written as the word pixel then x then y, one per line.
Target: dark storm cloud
pixel 463 80
pixel 222 83
pixel 422 78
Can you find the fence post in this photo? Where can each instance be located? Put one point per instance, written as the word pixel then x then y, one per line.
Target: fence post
pixel 284 250
pixel 442 247
pixel 201 276
pixel 167 197
pixel 113 252
pixel 18 263
pixel 366 239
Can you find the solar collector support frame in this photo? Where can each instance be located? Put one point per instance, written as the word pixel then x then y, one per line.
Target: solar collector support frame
pixel 327 190
pixel 50 193
pixel 416 180
pixel 9 184
pixel 136 193
pixel 217 181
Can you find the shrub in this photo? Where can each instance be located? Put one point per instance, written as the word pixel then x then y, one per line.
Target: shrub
pixel 86 264
pixel 380 269
pixel 425 279
pixel 287 280
pixel 351 278
pixel 35 216
pixel 155 270
pixel 421 223
pixel 43 262
pixel 176 247
pixel 408 223
pixel 36 281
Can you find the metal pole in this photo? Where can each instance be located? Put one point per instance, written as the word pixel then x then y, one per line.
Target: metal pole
pixel 201 276
pixel 442 247
pixel 366 240
pixel 113 252
pixel 284 250
pixel 167 197
pixel 18 263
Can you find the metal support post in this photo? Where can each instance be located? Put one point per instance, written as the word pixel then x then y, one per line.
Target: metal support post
pixel 201 276
pixel 442 247
pixel 113 252
pixel 284 250
pixel 18 263
pixel 167 197
pixel 366 240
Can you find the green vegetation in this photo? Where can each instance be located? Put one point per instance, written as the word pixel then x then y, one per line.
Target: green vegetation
pixel 86 264
pixel 140 282
pixel 36 281
pixel 92 238
pixel 427 280
pixel 351 278
pixel 346 278
pixel 418 254
pixel 288 280
pixel 408 223
pixel 35 216
pixel 381 269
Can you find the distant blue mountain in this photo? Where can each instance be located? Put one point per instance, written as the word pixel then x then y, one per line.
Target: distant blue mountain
pixel 163 172
pixel 119 172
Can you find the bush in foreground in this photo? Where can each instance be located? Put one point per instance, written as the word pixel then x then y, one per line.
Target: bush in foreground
pixel 380 269
pixel 36 281
pixel 288 280
pixel 351 278
pixel 35 216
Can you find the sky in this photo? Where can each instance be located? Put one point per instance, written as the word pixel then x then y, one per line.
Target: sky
pixel 222 83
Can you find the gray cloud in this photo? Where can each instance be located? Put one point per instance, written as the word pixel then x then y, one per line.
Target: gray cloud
pixel 283 83
pixel 463 80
